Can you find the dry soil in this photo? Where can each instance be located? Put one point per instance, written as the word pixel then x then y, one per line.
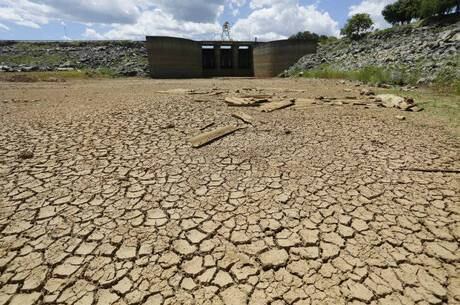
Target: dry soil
pixel 103 200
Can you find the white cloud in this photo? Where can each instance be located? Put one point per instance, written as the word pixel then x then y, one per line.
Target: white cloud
pixel 278 19
pixel 24 12
pixel 34 13
pixel 92 34
pixel 374 8
pixel 4 27
pixel 255 4
pixel 158 23
pixel 235 5
pixel 197 19
pixel 101 11
pixel 194 11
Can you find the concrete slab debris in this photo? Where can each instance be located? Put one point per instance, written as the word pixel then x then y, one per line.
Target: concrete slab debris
pixel 395 101
pixel 207 126
pixel 244 117
pixel 210 136
pixel 175 91
pixel 272 106
pixel 243 102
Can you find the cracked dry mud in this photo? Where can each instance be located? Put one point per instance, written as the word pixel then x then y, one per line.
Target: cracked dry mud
pixel 307 206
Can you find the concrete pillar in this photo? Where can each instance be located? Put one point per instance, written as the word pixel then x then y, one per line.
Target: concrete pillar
pixel 217 58
pixel 235 60
pixel 251 59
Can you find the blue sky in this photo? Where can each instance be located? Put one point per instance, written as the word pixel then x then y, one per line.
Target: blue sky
pixel 197 19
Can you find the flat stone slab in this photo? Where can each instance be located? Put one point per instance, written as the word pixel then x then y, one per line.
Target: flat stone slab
pixel 243 102
pixel 213 135
pixel 272 106
pixel 244 117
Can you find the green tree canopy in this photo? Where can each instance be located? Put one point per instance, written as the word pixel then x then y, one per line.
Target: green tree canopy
pixel 357 26
pixel 428 8
pixel 404 11
pixel 307 35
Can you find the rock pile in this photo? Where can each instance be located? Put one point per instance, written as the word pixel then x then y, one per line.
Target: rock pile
pixel 423 52
pixel 123 58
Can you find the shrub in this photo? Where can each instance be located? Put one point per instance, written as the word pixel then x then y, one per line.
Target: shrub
pixel 357 26
pixel 404 11
pixel 307 35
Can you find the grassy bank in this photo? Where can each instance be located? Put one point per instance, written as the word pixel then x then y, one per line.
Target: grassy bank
pixel 447 82
pixel 443 106
pixel 436 103
pixel 56 76
pixel 441 99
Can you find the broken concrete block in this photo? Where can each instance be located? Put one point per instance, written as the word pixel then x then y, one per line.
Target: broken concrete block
pixel 207 126
pixel 394 101
pixel 235 101
pixel 272 106
pixel 175 91
pixel 242 102
pixel 243 117
pixel 210 136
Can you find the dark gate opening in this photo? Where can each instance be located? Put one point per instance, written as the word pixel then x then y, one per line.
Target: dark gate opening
pixel 244 57
pixel 209 59
pixel 226 57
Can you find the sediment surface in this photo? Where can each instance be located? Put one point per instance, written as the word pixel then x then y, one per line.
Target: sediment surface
pixel 103 200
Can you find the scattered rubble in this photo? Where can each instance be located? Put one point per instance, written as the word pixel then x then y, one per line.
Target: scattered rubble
pixel 272 102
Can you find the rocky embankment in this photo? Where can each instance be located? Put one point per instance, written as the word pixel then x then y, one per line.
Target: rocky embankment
pixel 426 52
pixel 123 58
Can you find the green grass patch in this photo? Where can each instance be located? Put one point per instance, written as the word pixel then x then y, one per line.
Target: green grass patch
pixel 56 76
pixel 371 75
pixel 445 106
pixel 52 59
pixel 448 80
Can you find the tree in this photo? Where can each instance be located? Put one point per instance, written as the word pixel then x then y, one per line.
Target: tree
pixel 307 35
pixel 402 11
pixel 392 13
pixel 357 26
pixel 428 8
pixel 409 9
pixel 446 6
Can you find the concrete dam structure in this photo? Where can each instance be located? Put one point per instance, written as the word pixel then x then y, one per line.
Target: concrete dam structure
pixel 171 57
